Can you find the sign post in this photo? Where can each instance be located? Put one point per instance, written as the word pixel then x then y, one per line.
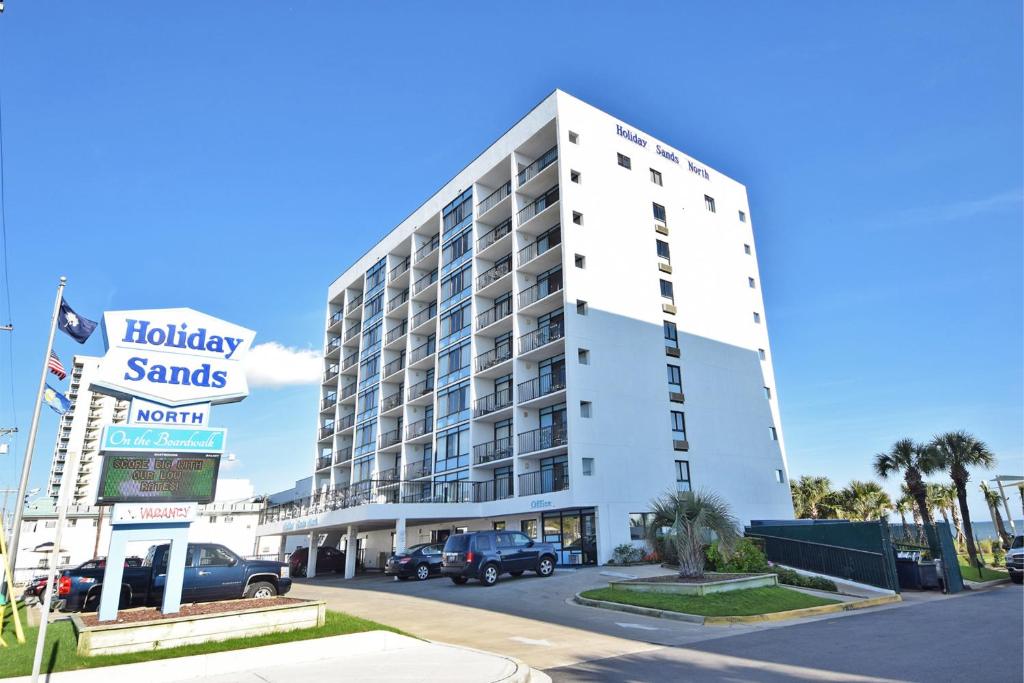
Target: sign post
pixel 173 364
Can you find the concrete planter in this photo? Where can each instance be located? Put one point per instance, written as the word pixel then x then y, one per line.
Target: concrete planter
pixel 160 634
pixel 712 585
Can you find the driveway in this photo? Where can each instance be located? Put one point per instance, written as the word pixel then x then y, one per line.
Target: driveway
pixel 530 618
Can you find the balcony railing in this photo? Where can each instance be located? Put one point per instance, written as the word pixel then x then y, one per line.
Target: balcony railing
pixel 398 299
pixel 537 205
pixel 394 366
pixel 492 402
pixel 438 492
pixel 425 281
pixel 489 238
pixel 388 475
pixel 390 438
pixel 335 318
pixel 422 351
pixel 419 428
pixel 429 246
pixel 333 343
pixel 499 354
pixel 542 439
pixel 500 269
pixel 350 360
pixel 535 249
pixel 539 291
pixel 327 430
pixel 392 400
pixel 424 315
pixel 343 455
pixel 323 462
pixel 498 449
pixel 400 268
pixel 543 161
pixel 331 372
pixel 348 390
pixel 544 481
pixel 495 489
pixel 541 386
pixel 345 421
pixel 352 331
pixel 329 401
pixel 420 389
pixel 494 198
pixel 494 313
pixel 540 337
pixel 354 302
pixel 417 469
pixel 397 332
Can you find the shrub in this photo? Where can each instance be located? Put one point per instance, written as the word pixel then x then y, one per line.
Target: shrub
pixel 626 553
pixel 746 558
pixel 998 555
pixel 789 577
pixel 985 546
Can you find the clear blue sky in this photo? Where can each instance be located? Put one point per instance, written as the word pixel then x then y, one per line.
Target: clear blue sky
pixel 236 157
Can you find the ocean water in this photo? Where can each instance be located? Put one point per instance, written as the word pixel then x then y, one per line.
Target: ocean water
pixel 986 529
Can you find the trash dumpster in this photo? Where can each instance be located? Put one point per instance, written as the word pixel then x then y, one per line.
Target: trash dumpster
pixel 908 573
pixel 928 573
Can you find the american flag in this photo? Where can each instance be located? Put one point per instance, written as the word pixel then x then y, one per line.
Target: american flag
pixel 56 367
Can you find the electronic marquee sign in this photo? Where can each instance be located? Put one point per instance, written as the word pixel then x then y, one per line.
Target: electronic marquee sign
pixel 173 357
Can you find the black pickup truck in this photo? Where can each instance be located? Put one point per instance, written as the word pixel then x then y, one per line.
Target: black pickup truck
pixel 212 572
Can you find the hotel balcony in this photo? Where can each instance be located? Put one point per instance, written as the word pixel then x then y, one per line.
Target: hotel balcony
pixel 493 363
pixel 331 373
pixel 543 439
pixel 350 361
pixel 499 312
pixel 495 280
pixel 421 320
pixel 394 367
pixel 392 402
pixel 494 199
pixel 427 250
pixel 399 304
pixel 391 439
pixel 352 332
pixel 418 469
pixel 345 423
pixel 328 402
pixel 542 254
pixel 353 309
pixel 542 391
pixel 538 207
pixel 542 297
pixel 333 347
pixel 534 174
pixel 343 455
pixel 334 322
pixel 543 481
pixel 496 406
pixel 533 345
pixel 327 431
pixel 420 430
pixel 323 462
pixel 423 355
pixel 493 489
pixel 397 276
pixel 492 451
pixel 419 391
pixel 424 289
pixel 395 337
pixel 496 240
pixel 438 492
pixel 348 393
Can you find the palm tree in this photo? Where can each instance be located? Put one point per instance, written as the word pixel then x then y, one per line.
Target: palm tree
pixel 865 500
pixel 938 499
pixel 901 506
pixel 914 461
pixel 808 495
pixel 994 500
pixel 956 452
pixel 695 517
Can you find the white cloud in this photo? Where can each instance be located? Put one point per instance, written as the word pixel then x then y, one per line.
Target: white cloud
pixel 274 365
pixel 956 210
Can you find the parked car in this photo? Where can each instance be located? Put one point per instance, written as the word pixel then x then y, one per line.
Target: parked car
pixel 37 586
pixel 328 559
pixel 485 555
pixel 1015 560
pixel 421 561
pixel 212 572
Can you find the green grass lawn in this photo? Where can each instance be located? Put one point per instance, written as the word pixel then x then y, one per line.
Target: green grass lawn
pixel 59 653
pixel 970 573
pixel 729 604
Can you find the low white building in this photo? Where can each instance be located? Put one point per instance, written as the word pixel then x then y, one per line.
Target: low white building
pixel 570 327
pixel 230 520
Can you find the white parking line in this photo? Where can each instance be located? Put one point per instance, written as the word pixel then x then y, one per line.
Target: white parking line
pixel 530 641
pixel 637 626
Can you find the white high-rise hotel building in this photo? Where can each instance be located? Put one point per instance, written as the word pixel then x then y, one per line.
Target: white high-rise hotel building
pixel 569 328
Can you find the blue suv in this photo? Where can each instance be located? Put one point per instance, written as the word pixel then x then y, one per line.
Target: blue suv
pixel 485 555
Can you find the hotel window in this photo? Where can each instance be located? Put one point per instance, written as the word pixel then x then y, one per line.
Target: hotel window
pixel 371 337
pixel 456 251
pixel 663 251
pixel 586 409
pixel 583 356
pixel 678 425
pixel 768 393
pixel 682 475
pixel 757 317
pixel 581 307
pixel 774 433
pixel 780 476
pixel 667 291
pixel 577 218
pixel 743 217
pixel 675 378
pixel 656 177
pixel 453 363
pixel 751 283
pixel 659 212
pixel 452 449
pixel 529 527
pixel 746 249
pixel 375 276
pixel 574 138
pixel 457 286
pixel 761 354
pixel 624 161
pixel 588 467
pixel 574 176
pixel 456 323
pixel 453 404
pixel 709 203
pixel 671 334
pixel 369 371
pixel 581 261
pixel 639 522
pixel 367 404
pixel 458 211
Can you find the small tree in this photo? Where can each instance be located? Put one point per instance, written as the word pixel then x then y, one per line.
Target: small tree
pixel 693 520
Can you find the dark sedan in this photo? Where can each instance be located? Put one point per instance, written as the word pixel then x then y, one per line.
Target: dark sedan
pixel 419 561
pixel 327 560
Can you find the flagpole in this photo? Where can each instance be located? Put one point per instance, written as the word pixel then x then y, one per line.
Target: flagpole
pixel 26 466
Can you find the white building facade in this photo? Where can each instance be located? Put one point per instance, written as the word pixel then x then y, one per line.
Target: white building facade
pixel 569 328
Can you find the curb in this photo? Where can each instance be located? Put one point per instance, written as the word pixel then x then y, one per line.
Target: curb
pixel 982 585
pixel 751 619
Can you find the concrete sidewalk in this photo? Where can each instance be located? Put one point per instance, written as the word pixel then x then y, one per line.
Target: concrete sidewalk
pixel 370 656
